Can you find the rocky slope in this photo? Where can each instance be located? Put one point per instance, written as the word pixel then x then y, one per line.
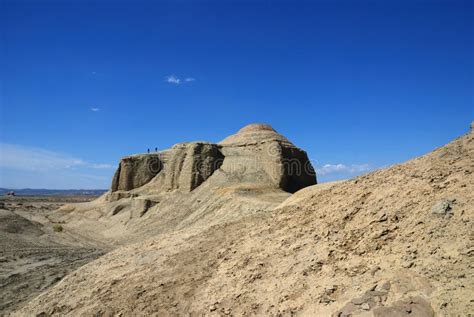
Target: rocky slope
pixel 395 242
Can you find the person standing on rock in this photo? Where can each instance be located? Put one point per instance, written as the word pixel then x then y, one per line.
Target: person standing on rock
pixel 148 151
pixel 156 149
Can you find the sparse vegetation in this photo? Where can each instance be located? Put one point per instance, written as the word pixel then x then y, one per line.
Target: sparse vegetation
pixel 57 228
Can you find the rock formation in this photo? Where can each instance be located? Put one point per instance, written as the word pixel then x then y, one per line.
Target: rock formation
pixel 255 154
pixel 195 183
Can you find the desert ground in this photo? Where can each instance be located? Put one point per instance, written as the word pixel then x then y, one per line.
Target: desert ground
pixel 34 253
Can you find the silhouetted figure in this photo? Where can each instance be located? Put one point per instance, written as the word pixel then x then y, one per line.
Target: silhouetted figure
pixel 156 149
pixel 148 151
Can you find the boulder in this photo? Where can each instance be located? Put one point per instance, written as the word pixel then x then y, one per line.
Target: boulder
pixel 416 306
pixel 443 207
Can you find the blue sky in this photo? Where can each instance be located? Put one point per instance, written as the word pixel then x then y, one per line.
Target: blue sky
pixel 357 84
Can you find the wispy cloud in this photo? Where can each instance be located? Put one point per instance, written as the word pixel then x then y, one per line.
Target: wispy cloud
pixel 93 177
pixel 173 79
pixel 101 166
pixel 343 169
pixel 36 159
pixel 93 109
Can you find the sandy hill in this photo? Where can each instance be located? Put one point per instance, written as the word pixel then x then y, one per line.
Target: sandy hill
pixel 395 242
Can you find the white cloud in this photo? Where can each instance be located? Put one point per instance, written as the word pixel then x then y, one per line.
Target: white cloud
pixel 93 177
pixel 23 166
pixel 96 74
pixel 172 79
pixel 36 159
pixel 101 166
pixel 94 109
pixel 343 168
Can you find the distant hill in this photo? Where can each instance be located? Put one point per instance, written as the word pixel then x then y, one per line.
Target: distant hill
pixel 53 192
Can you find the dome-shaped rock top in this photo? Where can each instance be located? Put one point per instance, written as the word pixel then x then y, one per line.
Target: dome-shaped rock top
pixel 256 127
pixel 254 133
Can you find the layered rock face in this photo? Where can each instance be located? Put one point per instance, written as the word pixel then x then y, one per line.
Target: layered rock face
pixel 189 165
pixel 135 171
pixel 256 154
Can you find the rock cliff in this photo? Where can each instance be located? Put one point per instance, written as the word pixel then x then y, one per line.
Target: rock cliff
pixel 189 165
pixel 135 171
